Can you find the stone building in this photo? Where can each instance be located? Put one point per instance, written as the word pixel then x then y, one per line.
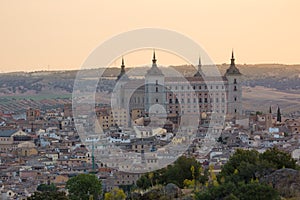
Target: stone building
pixel 172 97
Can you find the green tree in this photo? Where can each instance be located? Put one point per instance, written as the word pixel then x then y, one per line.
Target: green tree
pixel 279 159
pixel 176 173
pixel 115 194
pixel 82 186
pixel 231 197
pixel 46 187
pixel 242 166
pixel 48 195
pixel 278 115
pixel 256 191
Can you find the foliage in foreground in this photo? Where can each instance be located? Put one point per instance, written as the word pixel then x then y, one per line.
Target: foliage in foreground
pixel 115 194
pixel 83 186
pixel 176 173
pixel 239 178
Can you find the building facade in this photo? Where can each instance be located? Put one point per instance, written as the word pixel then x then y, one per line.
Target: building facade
pixel 161 95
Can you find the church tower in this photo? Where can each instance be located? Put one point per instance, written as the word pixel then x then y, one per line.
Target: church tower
pixel 234 87
pixel 155 97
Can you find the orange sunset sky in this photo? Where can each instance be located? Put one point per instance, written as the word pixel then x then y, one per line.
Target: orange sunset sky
pixel 59 35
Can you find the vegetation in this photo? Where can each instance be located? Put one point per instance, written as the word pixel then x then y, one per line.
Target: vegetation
pixel 45 187
pixel 83 186
pixel 48 192
pixel 239 178
pixel 115 194
pixel 176 173
pixel 49 195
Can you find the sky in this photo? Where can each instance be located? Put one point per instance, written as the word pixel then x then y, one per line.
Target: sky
pixel 60 35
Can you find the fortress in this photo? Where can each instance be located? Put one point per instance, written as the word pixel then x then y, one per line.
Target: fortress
pixel 164 95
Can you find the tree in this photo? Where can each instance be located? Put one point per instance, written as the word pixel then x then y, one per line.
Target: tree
pixel 231 197
pixel 48 195
pixel 115 194
pixel 176 173
pixel 46 187
pixel 83 186
pixel 256 191
pixel 279 159
pixel 242 166
pixel 278 115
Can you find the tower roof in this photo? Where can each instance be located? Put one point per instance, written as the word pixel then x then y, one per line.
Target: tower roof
pixel 233 70
pixel 154 70
pixel 199 71
pixel 122 72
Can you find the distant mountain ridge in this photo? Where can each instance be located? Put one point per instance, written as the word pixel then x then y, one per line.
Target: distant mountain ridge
pixel 278 76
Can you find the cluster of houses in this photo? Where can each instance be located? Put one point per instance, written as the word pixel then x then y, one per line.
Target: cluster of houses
pixel 45 148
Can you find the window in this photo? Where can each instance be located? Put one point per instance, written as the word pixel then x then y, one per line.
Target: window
pixel 235 81
pixel 234 98
pixel 156 100
pixel 235 89
pixel 156 89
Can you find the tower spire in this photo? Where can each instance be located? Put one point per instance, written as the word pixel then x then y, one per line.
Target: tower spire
pixel 199 73
pixel 154 59
pixel 122 62
pixel 122 66
pixel 122 72
pixel 199 64
pixel 232 58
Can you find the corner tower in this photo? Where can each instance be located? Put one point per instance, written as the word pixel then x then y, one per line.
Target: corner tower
pixel 154 89
pixel 234 87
